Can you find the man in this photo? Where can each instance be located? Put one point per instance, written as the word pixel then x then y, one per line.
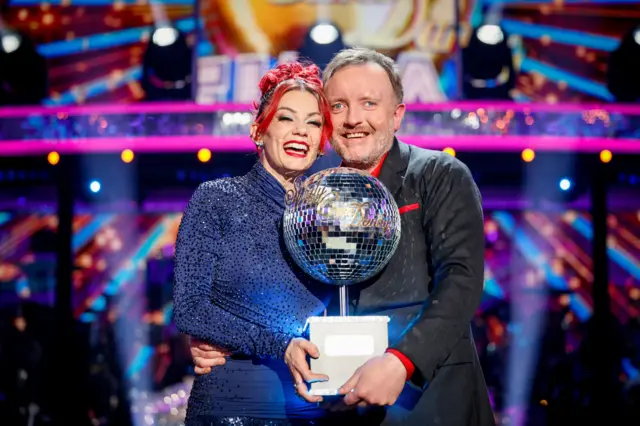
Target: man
pixel 433 284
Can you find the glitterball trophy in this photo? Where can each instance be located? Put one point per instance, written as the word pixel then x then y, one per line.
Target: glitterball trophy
pixel 342 226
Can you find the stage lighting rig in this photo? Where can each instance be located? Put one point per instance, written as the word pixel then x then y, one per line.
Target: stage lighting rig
pixel 167 66
pixel 321 43
pixel 623 71
pixel 488 64
pixel 23 71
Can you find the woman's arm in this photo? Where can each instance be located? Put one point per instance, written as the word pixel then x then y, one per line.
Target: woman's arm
pixel 195 311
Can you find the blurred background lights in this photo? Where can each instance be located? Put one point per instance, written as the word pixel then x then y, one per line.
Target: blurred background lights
pixel 95 186
pixel 565 184
pixel 450 151
pixel 204 155
pixel 127 156
pixel 324 33
pixel 605 155
pixel 53 158
pixel 164 36
pixel 528 155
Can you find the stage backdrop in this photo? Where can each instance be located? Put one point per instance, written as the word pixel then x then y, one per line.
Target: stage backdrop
pixel 94 47
pixel 530 329
pixel 536 261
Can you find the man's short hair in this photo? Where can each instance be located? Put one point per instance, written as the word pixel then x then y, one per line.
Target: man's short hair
pixel 363 56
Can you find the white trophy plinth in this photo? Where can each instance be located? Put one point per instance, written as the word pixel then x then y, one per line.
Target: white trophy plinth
pixel 345 343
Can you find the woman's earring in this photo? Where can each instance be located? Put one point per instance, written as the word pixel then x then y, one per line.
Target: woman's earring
pixel 320 154
pixel 259 144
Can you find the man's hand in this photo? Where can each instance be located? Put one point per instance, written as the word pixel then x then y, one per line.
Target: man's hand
pixel 206 356
pixel 296 359
pixel 378 382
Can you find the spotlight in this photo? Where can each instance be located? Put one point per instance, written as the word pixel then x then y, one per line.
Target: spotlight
pixel 565 184
pixel 164 36
pixel 23 71
pixel 166 68
pixel 557 188
pixel 488 65
pixel 528 155
pixel 11 42
pixel 95 186
pixel 127 156
pixel 605 156
pixel 324 33
pixel 450 151
pixel 53 158
pixel 321 43
pixel 204 155
pixel 490 34
pixel 624 68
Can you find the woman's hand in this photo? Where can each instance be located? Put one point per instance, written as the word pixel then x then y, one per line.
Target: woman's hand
pixel 296 359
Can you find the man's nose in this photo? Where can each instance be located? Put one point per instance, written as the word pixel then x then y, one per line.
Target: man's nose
pixel 354 117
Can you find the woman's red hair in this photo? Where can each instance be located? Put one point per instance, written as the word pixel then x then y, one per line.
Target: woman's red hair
pixel 285 78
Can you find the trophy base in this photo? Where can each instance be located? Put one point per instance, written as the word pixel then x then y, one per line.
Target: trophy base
pixel 345 343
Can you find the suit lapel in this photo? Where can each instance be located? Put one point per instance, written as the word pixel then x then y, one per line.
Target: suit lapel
pixel 394 167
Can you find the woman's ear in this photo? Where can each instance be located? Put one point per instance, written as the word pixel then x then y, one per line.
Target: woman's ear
pixel 254 132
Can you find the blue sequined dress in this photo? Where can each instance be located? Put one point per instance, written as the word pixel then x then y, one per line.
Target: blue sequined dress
pixel 236 287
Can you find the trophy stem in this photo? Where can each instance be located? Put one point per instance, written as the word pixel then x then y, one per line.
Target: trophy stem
pixel 344 301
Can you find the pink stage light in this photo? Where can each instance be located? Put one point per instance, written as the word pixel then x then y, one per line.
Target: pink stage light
pixel 460 143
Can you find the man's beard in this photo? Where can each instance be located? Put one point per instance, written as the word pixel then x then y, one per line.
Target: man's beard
pixel 383 142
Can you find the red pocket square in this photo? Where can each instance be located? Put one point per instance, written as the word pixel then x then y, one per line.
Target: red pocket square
pixel 408 208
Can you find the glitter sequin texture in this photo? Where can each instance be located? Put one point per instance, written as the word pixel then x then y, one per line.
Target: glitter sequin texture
pixel 248 421
pixel 237 287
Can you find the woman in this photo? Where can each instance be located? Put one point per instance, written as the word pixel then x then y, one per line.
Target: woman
pixel 235 284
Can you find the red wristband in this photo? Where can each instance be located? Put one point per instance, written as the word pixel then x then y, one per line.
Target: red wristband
pixel 404 360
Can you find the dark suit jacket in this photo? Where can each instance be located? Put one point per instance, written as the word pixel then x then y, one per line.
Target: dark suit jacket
pixel 431 289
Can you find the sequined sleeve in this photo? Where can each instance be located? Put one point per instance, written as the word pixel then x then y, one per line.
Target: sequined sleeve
pixel 195 311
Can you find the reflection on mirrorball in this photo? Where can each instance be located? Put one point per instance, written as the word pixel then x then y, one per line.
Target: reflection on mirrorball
pixel 341 225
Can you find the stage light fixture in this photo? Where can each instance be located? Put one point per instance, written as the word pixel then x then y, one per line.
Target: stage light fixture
pixel 623 69
pixel 565 184
pixel 324 33
pixel 321 43
pixel 164 36
pixel 450 151
pixel 53 158
pixel 167 66
pixel 490 34
pixel 127 156
pixel 488 64
pixel 95 186
pixel 528 155
pixel 204 155
pixel 11 42
pixel 605 156
pixel 23 71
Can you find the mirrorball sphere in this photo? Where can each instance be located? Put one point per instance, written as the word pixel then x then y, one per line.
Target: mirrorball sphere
pixel 341 225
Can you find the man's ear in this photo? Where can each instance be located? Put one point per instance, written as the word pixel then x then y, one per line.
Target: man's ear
pixel 398 115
